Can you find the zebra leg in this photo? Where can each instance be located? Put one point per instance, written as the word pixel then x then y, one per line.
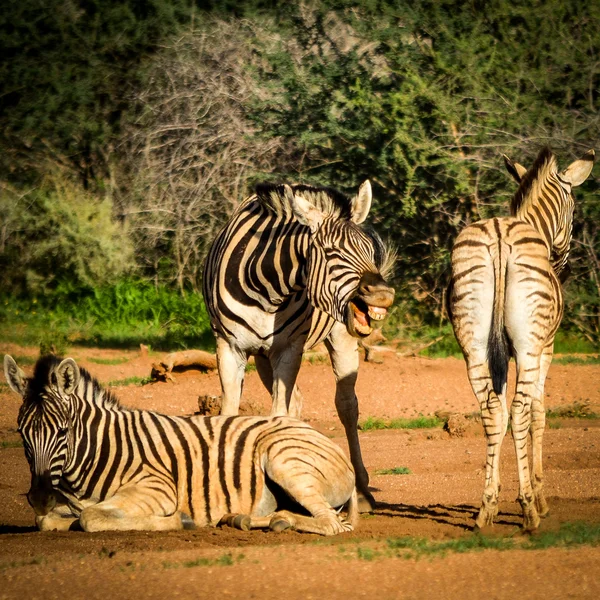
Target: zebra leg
pixel 265 372
pixel 231 364
pixel 538 423
pixel 135 507
pixel 528 367
pixel 286 365
pixel 343 350
pixel 60 518
pixel 494 416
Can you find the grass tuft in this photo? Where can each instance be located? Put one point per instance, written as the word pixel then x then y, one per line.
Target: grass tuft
pixel 568 359
pixel 420 422
pixel 109 361
pixel 130 381
pixel 11 444
pixel 394 471
pixel 576 410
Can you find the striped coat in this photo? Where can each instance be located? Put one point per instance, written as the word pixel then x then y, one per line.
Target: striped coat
pixel 506 301
pixel 295 266
pixel 98 465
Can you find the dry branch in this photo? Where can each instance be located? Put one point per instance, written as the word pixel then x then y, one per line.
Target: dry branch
pixel 186 359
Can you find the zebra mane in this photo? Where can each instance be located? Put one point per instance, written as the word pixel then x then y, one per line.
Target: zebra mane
pixel 532 182
pixel 327 200
pixel 42 374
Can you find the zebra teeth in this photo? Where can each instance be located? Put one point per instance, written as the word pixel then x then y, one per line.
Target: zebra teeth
pixel 377 313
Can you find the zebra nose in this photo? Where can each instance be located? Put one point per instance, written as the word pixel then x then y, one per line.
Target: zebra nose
pixel 375 291
pixel 41 496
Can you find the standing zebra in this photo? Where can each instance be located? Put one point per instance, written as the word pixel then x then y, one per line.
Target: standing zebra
pixel 506 300
pixel 291 268
pixel 100 466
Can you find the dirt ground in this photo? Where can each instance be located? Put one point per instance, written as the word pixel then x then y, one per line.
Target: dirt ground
pixel 437 500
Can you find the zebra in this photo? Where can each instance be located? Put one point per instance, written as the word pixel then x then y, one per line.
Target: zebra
pixel 291 268
pixel 505 299
pixel 98 466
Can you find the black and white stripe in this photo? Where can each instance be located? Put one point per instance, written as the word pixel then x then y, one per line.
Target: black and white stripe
pixel 295 266
pixel 108 467
pixel 505 300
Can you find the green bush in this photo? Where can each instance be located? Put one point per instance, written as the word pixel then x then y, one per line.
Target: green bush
pixel 60 235
pixel 125 314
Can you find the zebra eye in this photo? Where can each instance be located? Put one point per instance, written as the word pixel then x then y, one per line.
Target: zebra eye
pixel 63 431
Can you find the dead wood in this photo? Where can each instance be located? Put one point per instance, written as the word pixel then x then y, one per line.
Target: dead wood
pixel 186 359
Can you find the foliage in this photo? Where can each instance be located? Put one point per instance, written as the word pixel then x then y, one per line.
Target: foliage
pixel 125 314
pixel 160 116
pixel 59 235
pixel 192 151
pixel 423 99
pixel 67 68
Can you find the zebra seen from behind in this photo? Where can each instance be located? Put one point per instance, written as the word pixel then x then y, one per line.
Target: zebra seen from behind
pixel 505 299
pixel 99 466
pixel 294 266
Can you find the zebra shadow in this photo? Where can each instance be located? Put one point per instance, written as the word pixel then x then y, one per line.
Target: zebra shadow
pixel 460 516
pixel 8 529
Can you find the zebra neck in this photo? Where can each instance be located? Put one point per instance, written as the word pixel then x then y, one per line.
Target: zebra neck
pixel 98 435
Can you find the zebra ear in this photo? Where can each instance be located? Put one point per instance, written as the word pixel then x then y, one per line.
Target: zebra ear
pixel 515 169
pixel 305 212
pixel 361 203
pixel 577 172
pixel 14 376
pixel 67 376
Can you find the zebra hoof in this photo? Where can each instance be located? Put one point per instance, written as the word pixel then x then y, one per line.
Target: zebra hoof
pixel 279 525
pixel 187 522
pixel 241 522
pixel 366 504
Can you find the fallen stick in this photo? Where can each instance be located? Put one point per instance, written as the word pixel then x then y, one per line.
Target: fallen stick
pixel 186 359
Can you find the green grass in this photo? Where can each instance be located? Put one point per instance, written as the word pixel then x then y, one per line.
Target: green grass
pixel 420 422
pixel 570 343
pixel 25 360
pixel 11 444
pixel 130 381
pixel 570 535
pixel 576 360
pixel 109 361
pixel 577 410
pixel 36 560
pixel 117 316
pixel 225 560
pixel 394 471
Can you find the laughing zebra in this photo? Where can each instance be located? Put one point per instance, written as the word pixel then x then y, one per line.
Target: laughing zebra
pixel 291 268
pixel 100 466
pixel 506 300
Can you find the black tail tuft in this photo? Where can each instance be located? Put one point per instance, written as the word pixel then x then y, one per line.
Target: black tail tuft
pixel 498 352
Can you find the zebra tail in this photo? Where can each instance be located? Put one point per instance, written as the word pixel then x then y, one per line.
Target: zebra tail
pixel 498 350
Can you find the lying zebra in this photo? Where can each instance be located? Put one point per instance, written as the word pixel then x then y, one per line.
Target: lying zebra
pixel 99 466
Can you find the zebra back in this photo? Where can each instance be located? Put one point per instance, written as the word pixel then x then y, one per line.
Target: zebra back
pixel 270 257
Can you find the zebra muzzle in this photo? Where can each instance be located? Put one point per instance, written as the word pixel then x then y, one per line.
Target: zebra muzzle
pixel 361 315
pixel 41 495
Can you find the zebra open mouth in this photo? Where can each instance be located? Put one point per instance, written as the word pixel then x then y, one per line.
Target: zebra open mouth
pixel 361 314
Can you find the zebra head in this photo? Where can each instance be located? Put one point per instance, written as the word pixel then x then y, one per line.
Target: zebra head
pixel 44 423
pixel 347 263
pixel 545 200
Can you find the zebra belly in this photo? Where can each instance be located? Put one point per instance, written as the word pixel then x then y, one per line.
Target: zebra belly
pixel 266 333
